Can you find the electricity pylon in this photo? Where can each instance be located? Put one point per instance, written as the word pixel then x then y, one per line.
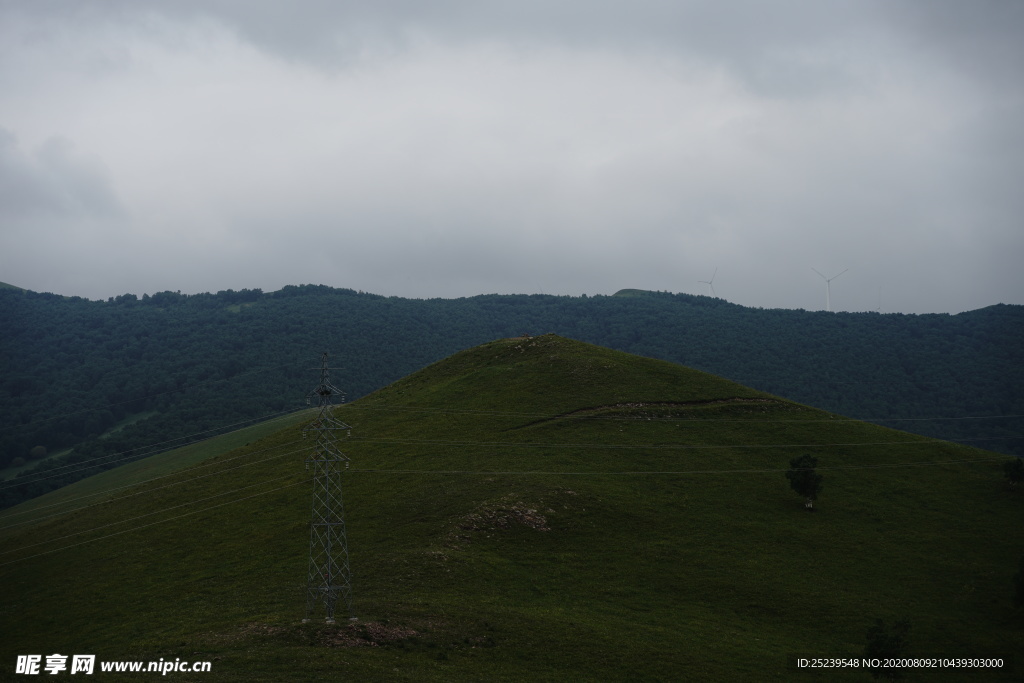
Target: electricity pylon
pixel 330 576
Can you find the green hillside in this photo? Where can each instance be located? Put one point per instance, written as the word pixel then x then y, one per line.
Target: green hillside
pixel 170 366
pixel 537 509
pixel 92 489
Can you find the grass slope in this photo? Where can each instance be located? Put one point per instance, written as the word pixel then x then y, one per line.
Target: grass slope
pixel 539 509
pixel 109 484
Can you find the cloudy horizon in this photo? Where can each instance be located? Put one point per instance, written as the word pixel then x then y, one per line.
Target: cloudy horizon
pixel 451 149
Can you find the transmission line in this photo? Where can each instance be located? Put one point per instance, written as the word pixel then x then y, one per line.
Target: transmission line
pixel 498 473
pixel 923 441
pixel 670 472
pixel 125 531
pixel 148 514
pixel 482 444
pixel 84 464
pixel 665 406
pixel 215 461
pixel 54 472
pixel 139 493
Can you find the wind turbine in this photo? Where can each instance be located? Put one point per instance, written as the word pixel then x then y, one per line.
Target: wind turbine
pixel 828 288
pixel 710 283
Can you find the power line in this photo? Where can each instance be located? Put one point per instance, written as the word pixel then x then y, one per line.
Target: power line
pixel 55 472
pixel 912 419
pixel 125 531
pixel 539 445
pixel 664 406
pixel 923 441
pixel 148 514
pixel 532 444
pixel 7 513
pixel 501 473
pixel 669 472
pixel 138 452
pixel 139 493
pixel 783 380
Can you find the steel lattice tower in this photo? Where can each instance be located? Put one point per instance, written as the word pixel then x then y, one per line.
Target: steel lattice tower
pixel 330 576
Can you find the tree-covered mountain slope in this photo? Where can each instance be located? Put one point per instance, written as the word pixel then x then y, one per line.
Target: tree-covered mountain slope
pixel 110 379
pixel 538 509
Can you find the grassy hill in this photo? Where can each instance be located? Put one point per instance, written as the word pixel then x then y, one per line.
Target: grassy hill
pixel 537 509
pixel 170 366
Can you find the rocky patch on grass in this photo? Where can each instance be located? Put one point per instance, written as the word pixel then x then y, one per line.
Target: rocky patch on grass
pixel 504 515
pixel 500 515
pixel 369 634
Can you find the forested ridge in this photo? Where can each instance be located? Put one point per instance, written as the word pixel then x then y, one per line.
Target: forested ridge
pixel 72 369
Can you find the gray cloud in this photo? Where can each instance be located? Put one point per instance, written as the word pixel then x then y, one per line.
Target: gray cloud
pixel 52 180
pixel 451 148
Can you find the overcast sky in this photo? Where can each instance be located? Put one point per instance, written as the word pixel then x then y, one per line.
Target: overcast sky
pixel 452 148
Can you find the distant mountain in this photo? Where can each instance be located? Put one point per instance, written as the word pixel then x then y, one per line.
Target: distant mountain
pixel 535 509
pixel 71 370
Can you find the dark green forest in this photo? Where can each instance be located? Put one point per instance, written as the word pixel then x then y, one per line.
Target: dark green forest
pixel 75 372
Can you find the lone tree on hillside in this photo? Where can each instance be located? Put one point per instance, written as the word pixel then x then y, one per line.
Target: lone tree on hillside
pixel 803 479
pixel 1014 470
pixel 38 452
